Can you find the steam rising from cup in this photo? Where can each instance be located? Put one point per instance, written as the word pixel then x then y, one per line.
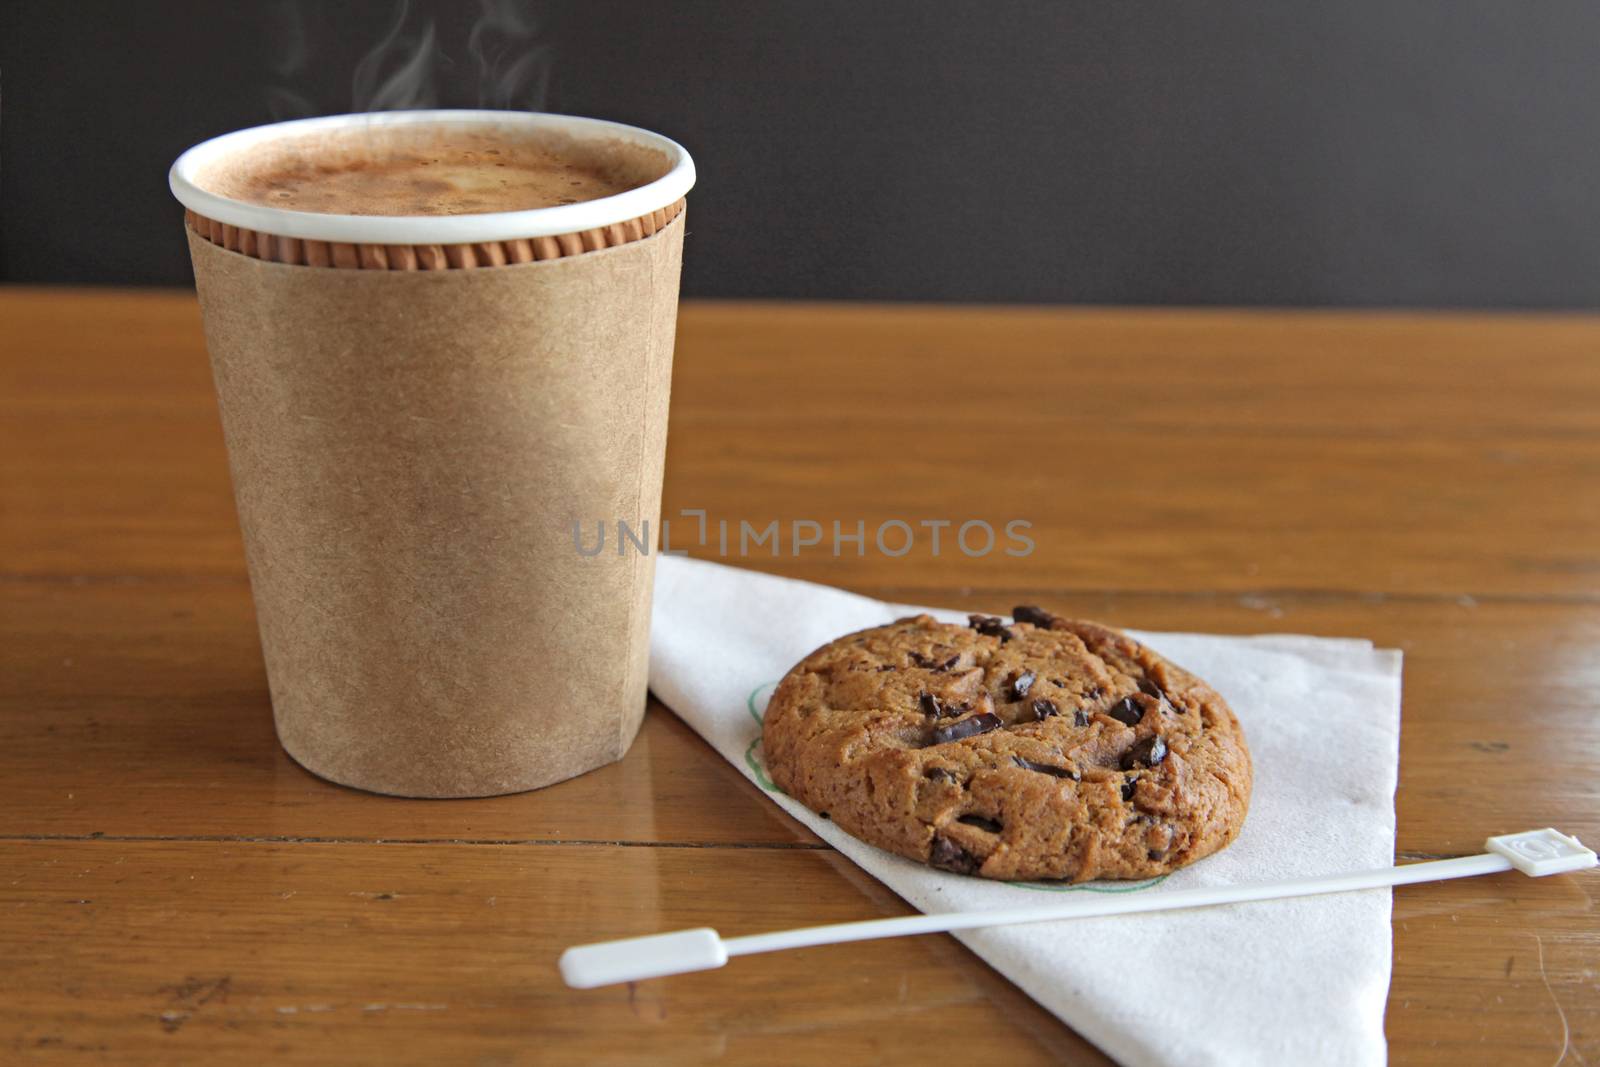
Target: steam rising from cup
pixel 510 69
pixel 287 37
pixel 513 70
pixel 398 74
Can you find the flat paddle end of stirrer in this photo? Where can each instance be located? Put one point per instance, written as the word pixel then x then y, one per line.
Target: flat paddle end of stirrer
pixel 1542 852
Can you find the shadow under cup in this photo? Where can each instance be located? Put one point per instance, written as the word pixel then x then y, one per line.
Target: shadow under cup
pixel 420 412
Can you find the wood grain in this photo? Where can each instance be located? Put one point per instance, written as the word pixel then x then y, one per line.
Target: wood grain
pixel 176 888
pixel 1278 451
pixel 317 953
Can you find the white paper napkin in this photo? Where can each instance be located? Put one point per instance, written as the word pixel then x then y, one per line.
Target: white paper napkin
pixel 1277 982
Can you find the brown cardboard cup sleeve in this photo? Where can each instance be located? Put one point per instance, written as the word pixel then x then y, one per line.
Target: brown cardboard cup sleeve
pixel 411 452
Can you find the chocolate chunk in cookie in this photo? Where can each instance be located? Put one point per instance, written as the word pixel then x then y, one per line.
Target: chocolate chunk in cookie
pixel 990 626
pixel 1127 711
pixel 1034 616
pixel 1146 753
pixel 946 855
pixel 971 727
pixel 1044 768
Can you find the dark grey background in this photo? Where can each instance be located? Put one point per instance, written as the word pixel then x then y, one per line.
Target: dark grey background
pixel 1365 153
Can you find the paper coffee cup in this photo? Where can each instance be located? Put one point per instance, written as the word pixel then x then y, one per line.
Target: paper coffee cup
pixel 413 446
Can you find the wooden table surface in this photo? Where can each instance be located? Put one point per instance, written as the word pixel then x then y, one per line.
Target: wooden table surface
pixel 173 887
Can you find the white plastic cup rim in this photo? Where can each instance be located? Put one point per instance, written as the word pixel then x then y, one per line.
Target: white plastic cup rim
pixel 434 229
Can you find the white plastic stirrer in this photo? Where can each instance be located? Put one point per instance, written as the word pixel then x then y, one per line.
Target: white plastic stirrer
pixel 1535 852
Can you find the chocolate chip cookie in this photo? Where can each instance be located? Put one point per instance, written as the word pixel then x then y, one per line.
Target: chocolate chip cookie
pixel 1040 748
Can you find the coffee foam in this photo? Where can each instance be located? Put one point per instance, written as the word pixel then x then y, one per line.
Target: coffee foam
pixel 430 170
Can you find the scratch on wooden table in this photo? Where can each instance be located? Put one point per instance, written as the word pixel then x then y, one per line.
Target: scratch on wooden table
pixel 1566 1032
pixel 189 996
pixel 404 1007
